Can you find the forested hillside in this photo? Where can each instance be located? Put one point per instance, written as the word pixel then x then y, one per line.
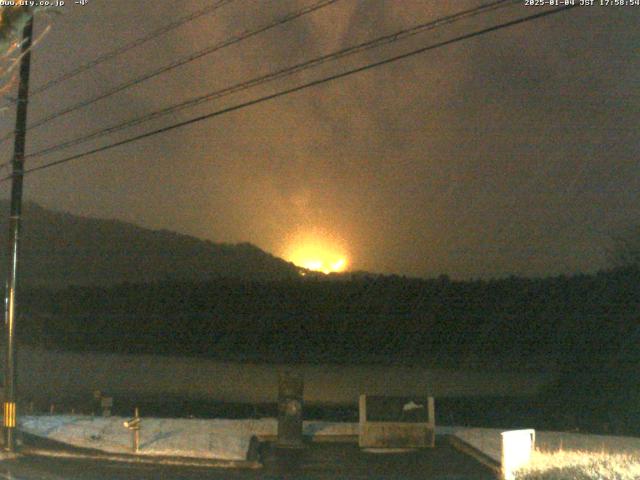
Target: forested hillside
pixel 60 249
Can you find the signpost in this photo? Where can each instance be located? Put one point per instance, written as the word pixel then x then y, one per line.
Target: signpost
pixel 133 424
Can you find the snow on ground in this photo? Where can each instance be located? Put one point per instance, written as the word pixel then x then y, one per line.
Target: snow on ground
pixel 219 439
pixel 210 438
pixel 230 439
pixel 488 441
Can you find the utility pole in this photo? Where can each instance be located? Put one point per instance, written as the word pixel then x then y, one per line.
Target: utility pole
pixel 14 239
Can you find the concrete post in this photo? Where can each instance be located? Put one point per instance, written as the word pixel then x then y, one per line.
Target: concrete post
pixel 290 409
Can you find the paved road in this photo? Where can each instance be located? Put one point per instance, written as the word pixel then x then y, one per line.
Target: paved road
pixel 317 462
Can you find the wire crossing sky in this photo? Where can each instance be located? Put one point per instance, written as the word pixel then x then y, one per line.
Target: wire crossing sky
pixel 126 47
pixel 174 64
pixel 512 152
pixel 294 89
pixel 374 43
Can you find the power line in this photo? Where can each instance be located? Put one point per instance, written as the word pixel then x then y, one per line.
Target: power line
pixel 180 62
pixel 285 72
pixel 298 88
pixel 125 48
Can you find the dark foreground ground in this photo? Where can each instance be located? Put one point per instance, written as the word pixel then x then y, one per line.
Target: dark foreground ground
pixel 317 461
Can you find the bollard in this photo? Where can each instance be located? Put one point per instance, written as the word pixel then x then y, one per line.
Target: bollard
pixel 133 424
pixel 290 393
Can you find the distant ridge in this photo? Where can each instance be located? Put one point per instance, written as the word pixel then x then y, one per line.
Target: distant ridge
pixel 60 249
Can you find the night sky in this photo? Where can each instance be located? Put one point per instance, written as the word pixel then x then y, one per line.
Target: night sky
pixel 515 152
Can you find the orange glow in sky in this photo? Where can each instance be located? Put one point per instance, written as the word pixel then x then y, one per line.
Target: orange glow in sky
pixel 317 252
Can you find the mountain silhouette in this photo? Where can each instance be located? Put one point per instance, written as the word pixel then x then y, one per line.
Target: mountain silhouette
pixel 60 249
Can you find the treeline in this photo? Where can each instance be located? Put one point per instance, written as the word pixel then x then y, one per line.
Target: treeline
pixel 584 321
